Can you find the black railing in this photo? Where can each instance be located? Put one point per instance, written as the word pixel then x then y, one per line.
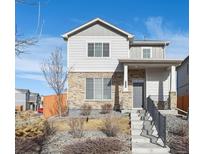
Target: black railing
pixel 159 98
pixel 160 101
pixel 158 119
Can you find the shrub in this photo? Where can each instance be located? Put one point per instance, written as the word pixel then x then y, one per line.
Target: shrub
pixel 76 127
pixel 110 127
pixel 106 108
pixel 179 144
pixel 30 134
pixel 178 137
pixel 95 146
pixel 86 109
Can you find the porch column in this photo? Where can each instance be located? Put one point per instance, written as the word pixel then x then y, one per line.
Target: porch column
pixel 125 83
pixel 173 79
pixel 172 93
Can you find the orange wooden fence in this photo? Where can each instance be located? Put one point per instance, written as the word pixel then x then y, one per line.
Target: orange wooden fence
pixel 50 107
pixel 183 103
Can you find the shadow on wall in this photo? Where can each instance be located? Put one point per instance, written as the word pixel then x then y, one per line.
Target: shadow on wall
pixel 117 83
pixel 160 96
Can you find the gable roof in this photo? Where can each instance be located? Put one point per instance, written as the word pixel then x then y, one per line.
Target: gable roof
pixel 22 90
pixel 90 23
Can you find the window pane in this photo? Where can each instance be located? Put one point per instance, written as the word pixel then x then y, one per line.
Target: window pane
pixel 146 53
pixel 98 88
pixel 90 49
pixel 89 88
pixel 98 49
pixel 106 88
pixel 105 49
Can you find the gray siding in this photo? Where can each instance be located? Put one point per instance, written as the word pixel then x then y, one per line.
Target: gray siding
pixel 157 82
pixel 183 79
pixel 135 52
pixel 21 99
pixel 78 61
pixel 97 30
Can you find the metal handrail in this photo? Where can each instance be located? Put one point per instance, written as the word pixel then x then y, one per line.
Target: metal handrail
pixel 162 98
pixel 158 119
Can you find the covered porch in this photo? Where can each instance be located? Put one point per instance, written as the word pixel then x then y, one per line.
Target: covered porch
pixel 158 82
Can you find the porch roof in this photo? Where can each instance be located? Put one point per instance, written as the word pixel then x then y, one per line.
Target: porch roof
pixel 151 62
pixel 150 42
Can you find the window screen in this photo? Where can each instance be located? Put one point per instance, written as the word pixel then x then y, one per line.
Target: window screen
pixel 90 49
pixel 98 49
pixel 89 88
pixel 106 50
pixel 146 53
pixel 106 88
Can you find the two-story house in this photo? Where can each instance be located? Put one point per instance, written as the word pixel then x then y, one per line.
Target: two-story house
pixel 108 65
pixel 27 100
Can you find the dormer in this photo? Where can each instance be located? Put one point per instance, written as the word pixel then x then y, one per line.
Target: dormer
pixel 147 49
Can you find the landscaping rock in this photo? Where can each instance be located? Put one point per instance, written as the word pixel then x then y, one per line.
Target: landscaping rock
pixel 55 143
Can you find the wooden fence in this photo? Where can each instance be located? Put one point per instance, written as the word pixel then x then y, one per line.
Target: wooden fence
pixel 183 103
pixel 50 107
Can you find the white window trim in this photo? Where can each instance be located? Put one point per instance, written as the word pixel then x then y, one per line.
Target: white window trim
pixel 94 49
pixel 100 100
pixel 146 48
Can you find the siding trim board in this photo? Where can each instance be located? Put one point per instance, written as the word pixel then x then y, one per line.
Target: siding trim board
pixel 93 22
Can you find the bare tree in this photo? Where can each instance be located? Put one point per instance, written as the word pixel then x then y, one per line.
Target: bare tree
pixel 22 43
pixel 54 74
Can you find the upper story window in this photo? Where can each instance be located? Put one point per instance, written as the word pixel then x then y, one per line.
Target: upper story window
pixel 146 52
pixel 98 49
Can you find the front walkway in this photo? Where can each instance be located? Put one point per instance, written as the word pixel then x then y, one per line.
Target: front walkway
pixel 140 143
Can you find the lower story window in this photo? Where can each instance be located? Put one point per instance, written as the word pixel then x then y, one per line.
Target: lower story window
pixel 98 88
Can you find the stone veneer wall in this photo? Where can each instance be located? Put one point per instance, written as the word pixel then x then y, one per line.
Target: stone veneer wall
pixel 119 99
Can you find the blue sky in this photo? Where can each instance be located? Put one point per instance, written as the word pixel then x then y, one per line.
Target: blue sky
pixel 158 19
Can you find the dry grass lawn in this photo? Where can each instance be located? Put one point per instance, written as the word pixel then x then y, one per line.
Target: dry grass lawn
pixel 95 124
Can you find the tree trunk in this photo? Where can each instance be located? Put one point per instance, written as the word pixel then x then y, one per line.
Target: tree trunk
pixel 59 105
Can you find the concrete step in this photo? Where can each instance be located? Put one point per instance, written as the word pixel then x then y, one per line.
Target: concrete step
pixel 135 118
pixel 148 148
pixel 136 127
pixel 136 132
pixel 136 152
pixel 153 139
pixel 147 127
pixel 135 115
pixel 148 122
pixel 137 122
pixel 140 139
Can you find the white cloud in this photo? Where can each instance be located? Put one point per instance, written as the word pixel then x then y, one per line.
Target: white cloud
pixel 179 41
pixel 38 77
pixel 28 65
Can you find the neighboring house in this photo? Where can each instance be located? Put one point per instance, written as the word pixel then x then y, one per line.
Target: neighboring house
pixel 34 101
pixel 183 85
pixel 28 100
pixel 22 98
pixel 108 65
pixel 183 78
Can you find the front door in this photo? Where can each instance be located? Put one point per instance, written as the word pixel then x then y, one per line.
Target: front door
pixel 138 95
